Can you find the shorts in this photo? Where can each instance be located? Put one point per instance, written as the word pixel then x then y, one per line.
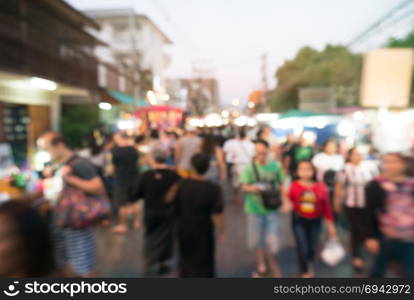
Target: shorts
pixel 262 232
pixel 76 249
pixel 125 193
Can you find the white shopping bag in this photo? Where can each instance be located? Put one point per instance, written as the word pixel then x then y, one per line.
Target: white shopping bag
pixel 52 188
pixel 333 253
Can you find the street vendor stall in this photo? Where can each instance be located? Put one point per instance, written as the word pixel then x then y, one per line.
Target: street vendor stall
pixel 323 126
pixel 160 116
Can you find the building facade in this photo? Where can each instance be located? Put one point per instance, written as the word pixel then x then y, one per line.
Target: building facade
pixel 136 45
pixel 198 96
pixel 46 55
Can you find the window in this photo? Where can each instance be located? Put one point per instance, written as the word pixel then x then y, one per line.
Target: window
pixel 120 27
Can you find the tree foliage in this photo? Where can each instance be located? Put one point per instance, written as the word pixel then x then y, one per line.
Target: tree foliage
pixel 77 122
pixel 405 42
pixel 334 66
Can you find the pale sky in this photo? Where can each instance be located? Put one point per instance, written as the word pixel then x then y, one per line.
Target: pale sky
pixel 229 36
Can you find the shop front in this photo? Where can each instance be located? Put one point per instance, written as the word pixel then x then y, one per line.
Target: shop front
pixel 27 110
pixel 160 116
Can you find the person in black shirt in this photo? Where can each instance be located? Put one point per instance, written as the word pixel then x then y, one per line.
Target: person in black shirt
pixel 158 219
pixel 287 152
pixel 198 210
pixel 125 160
pixel 298 152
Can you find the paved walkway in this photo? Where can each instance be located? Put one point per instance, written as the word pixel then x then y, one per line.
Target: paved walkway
pixel 122 256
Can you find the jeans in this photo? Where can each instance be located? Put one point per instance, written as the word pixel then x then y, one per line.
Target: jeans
pixel 262 232
pixel 306 232
pixel 400 251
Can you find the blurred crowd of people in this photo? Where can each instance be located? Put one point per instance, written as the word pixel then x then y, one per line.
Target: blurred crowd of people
pixel 171 184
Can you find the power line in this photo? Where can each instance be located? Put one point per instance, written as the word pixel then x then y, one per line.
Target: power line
pixel 264 72
pixel 167 17
pixel 388 16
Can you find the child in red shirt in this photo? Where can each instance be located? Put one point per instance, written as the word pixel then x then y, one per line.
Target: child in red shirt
pixel 311 203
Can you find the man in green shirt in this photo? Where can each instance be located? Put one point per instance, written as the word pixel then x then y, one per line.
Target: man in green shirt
pixel 262 223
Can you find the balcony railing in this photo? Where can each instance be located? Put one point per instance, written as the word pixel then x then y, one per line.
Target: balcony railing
pixel 36 43
pixel 110 78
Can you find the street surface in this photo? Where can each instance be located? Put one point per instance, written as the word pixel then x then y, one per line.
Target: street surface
pixel 122 256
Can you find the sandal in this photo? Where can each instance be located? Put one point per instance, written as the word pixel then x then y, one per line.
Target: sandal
pixel 261 272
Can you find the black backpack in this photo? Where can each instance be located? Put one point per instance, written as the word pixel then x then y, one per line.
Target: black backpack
pixel 329 178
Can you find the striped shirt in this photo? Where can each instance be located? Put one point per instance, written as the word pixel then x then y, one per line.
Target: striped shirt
pixel 397 220
pixel 355 179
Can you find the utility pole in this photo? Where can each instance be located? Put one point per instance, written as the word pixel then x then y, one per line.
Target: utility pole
pixel 196 97
pixel 264 72
pixel 135 58
pixel 265 83
pixel 203 100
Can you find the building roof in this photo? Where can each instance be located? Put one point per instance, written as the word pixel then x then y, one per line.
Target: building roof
pixel 67 10
pixel 71 16
pixel 121 13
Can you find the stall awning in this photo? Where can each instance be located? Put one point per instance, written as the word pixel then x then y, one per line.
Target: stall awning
pixel 116 98
pixel 121 97
pixel 296 113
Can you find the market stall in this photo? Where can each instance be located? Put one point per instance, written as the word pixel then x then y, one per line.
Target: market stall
pixel 323 126
pixel 160 116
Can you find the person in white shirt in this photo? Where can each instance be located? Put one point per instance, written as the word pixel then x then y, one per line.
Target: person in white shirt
pixel 239 153
pixel 328 160
pixel 328 163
